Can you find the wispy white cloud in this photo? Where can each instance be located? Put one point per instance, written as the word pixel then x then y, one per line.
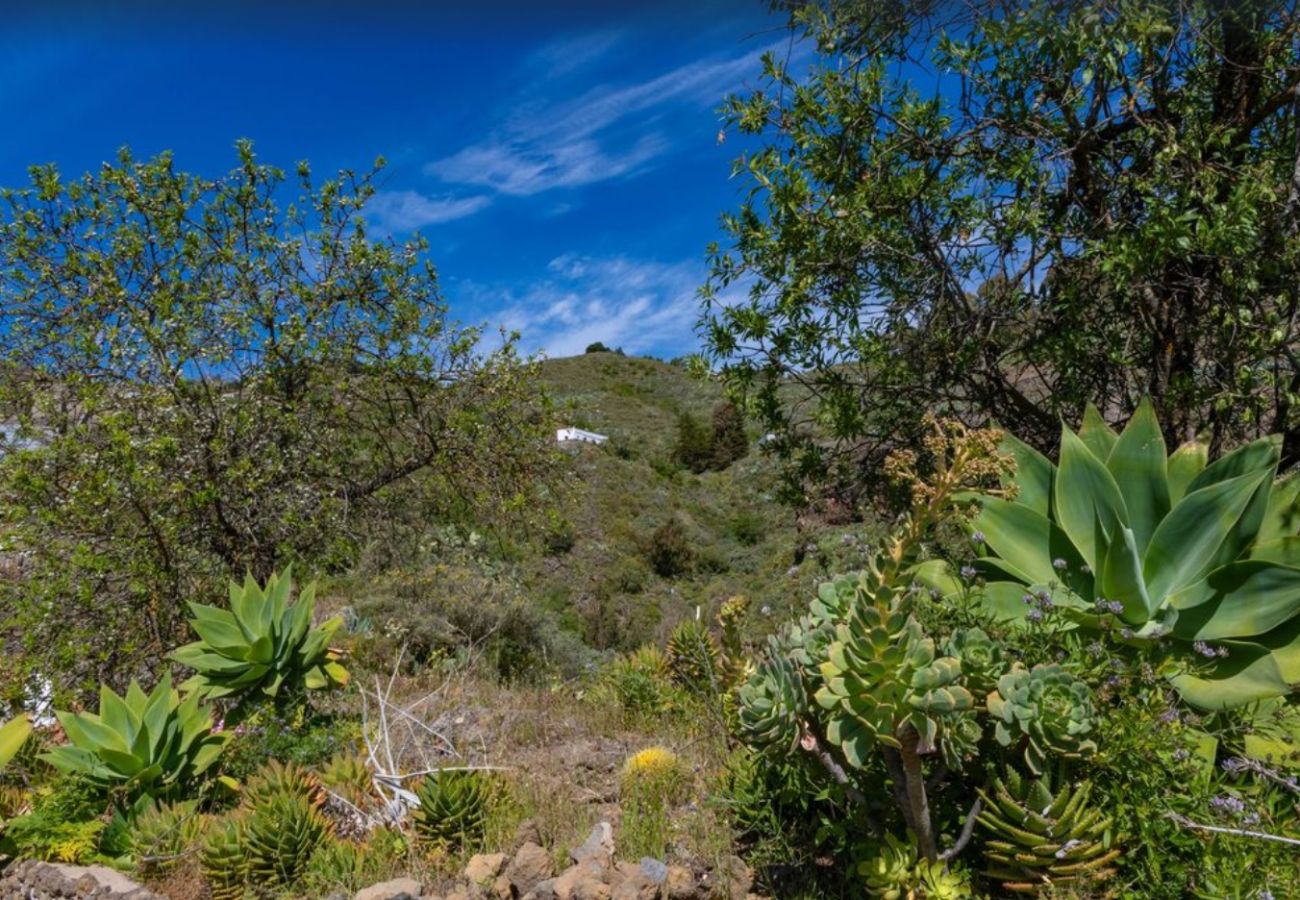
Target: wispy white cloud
pixel 567 54
pixel 407 210
pixel 609 131
pixel 641 306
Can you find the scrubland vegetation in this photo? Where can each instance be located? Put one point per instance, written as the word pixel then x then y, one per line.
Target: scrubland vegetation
pixel 1005 601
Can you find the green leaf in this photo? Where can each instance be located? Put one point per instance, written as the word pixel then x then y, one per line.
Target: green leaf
pixel 13 734
pixel 1183 466
pixel 1087 501
pixel 1033 475
pixel 1283 551
pixel 1096 434
pixel 1137 462
pixel 114 712
pixel 1257 457
pixel 1025 539
pixel 1249 673
pixel 88 733
pixel 1282 518
pixel 1122 579
pixel 1241 599
pixel 1194 533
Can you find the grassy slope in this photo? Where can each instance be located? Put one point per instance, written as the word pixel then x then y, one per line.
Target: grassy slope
pixel 626 489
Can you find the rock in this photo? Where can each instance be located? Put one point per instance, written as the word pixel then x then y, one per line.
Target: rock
pixel 532 864
pixel 482 868
pixel 527 833
pixel 583 882
pixel 679 884
pixel 397 889
pixel 543 890
pixel 655 870
pixel 502 889
pixel 630 883
pixel 42 880
pixel 599 846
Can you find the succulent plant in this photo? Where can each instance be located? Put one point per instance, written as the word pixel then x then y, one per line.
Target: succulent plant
pixel 161 835
pixel 1038 838
pixel 261 644
pixel 349 775
pixel 222 860
pixel 981 659
pixel 898 873
pixel 1048 708
pixel 772 704
pixel 147 745
pixel 275 778
pixel 453 807
pixel 1168 546
pixel 881 674
pixel 694 657
pixel 282 831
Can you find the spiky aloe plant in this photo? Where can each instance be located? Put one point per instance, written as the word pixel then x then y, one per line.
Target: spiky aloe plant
pixel 160 836
pixel 223 862
pixel 1168 545
pixel 261 644
pixel 1037 837
pixel 144 745
pixel 453 807
pixel 282 831
pixel 694 657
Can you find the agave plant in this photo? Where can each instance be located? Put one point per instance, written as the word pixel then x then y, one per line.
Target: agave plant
pixel 694 657
pixel 1168 545
pixel 145 745
pixel 282 831
pixel 1039 838
pixel 161 836
pixel 262 643
pixel 1048 708
pixel 222 860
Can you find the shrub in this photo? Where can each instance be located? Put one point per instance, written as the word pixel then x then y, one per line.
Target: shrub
pixel 669 550
pixel 453 808
pixel 694 447
pixel 597 347
pixel 729 441
pixel 748 528
pixel 653 783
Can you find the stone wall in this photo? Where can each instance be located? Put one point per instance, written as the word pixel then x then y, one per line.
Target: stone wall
pixel 32 880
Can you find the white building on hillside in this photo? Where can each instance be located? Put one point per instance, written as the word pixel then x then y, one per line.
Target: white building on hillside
pixel 565 435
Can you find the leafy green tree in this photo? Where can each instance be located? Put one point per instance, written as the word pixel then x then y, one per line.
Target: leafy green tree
pixel 597 347
pixel 730 442
pixel 220 376
pixel 669 549
pixel 694 447
pixel 1007 210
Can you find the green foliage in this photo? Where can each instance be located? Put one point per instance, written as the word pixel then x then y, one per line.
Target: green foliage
pixel 66 823
pixel 240 375
pixel 953 213
pixel 638 683
pixel 1164 547
pixel 669 551
pixel 654 783
pixel 339 864
pixel 302 736
pixel 223 862
pixel 1039 837
pixel 282 831
pixel 729 440
pixel 13 735
pixel 348 774
pixel 597 347
pixel 262 644
pixel 1048 709
pixel 142 745
pixel 694 448
pixel 453 807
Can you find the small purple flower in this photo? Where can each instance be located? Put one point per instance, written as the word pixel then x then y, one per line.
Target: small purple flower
pixel 1046 602
pixel 1222 652
pixel 968 572
pixel 978 537
pixel 1034 615
pixel 1028 599
pixel 1096 649
pixel 1265 894
pixel 1226 803
pixel 1235 765
pixel 1114 681
pixel 1169 715
pixel 1059 564
pixel 1115 607
pixel 1126 633
pixel 1204 649
pixel 1181 755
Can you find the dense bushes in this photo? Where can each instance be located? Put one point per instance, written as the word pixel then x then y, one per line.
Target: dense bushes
pixel 702 448
pixel 212 402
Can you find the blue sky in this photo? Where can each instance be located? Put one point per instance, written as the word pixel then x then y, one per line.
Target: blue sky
pixel 563 160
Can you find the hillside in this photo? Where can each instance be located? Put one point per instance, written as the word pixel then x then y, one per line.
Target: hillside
pixel 742 540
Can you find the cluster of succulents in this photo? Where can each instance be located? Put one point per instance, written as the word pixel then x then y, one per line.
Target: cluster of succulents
pixel 161 835
pixel 1121 534
pixel 694 657
pixel 1037 837
pixel 897 872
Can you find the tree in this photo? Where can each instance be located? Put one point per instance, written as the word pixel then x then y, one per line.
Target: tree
pixel 669 550
pixel 730 442
pixel 694 447
pixel 219 384
pixel 597 347
pixel 1009 210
